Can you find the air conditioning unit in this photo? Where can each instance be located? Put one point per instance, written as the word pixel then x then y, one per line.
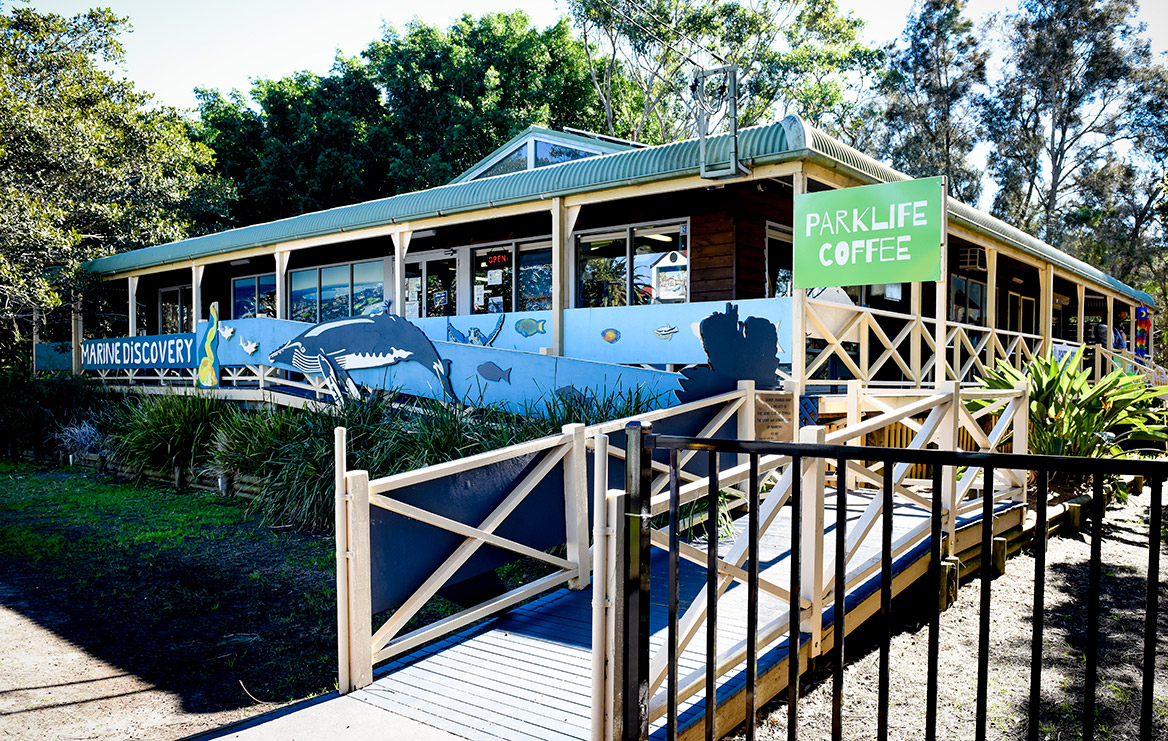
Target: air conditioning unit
pixel 973 258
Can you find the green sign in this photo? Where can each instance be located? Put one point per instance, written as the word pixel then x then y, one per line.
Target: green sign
pixel 890 233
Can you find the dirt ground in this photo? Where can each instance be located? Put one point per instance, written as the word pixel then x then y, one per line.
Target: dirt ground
pixel 1122 617
pixel 135 612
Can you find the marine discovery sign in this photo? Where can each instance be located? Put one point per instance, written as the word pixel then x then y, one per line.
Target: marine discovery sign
pixel 888 233
pixel 159 351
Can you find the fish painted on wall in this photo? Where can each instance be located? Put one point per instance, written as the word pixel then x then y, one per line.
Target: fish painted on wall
pixel 665 331
pixel 528 327
pixel 610 335
pixel 226 332
pixel 492 372
pixel 248 346
pixel 474 335
pixel 332 349
pixel 208 374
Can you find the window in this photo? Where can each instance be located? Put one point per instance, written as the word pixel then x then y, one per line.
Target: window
pixel 336 291
pixel 253 296
pixel 431 288
pixel 778 261
pixel 493 288
pixel 638 265
pixel 547 153
pixel 513 162
pixel 368 287
pixel 305 296
pixel 535 278
pixel 967 300
pixel 174 310
pixel 602 270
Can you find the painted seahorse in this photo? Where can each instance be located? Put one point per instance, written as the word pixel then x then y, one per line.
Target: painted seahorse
pixel 208 373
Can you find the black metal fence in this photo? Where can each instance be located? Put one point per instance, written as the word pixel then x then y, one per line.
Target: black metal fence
pixel 632 598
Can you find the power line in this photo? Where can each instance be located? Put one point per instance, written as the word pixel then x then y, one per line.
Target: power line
pixel 677 31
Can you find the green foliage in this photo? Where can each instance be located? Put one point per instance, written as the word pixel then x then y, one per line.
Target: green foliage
pixel 37 409
pixel 164 431
pixel 289 453
pixel 86 166
pixel 795 55
pixel 416 109
pixel 1071 416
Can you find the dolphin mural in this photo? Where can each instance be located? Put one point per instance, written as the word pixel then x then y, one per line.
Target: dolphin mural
pixel 333 348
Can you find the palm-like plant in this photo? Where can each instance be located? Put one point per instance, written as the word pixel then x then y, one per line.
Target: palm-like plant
pixel 1071 416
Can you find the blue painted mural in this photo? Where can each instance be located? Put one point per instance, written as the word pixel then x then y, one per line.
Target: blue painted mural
pixel 483 366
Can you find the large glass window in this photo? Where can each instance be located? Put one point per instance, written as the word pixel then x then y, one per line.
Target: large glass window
pixel 305 296
pixel 321 294
pixel 492 287
pixel 368 287
pixel 174 310
pixel 660 266
pixel 535 278
pixel 334 292
pixel 513 162
pixel 602 270
pixel 254 296
pixel 639 265
pixel 547 153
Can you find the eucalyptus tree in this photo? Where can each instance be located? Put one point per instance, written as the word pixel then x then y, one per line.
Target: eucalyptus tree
pixel 936 70
pixel 1064 100
pixel 794 55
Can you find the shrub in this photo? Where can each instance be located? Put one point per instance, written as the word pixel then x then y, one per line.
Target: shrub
pixel 290 451
pixel 1071 416
pixel 36 408
pixel 164 431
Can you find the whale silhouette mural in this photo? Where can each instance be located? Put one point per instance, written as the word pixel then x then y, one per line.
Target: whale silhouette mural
pixel 333 348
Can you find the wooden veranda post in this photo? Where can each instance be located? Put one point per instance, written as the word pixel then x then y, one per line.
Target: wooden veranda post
pixel 563 222
pixel 401 244
pixel 798 314
pixel 991 304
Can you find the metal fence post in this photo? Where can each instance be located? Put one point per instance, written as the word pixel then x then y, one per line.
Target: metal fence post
pixel 342 547
pixel 631 596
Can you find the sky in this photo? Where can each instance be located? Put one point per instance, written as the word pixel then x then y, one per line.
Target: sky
pixel 223 44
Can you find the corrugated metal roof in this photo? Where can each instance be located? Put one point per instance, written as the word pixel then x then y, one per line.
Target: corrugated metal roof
pixel 789 139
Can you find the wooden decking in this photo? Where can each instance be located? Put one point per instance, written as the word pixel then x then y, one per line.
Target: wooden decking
pixel 526 675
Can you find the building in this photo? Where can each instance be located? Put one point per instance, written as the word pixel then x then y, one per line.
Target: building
pixel 605 251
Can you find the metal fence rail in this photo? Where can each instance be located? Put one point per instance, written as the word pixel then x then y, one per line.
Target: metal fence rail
pixel 632 704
